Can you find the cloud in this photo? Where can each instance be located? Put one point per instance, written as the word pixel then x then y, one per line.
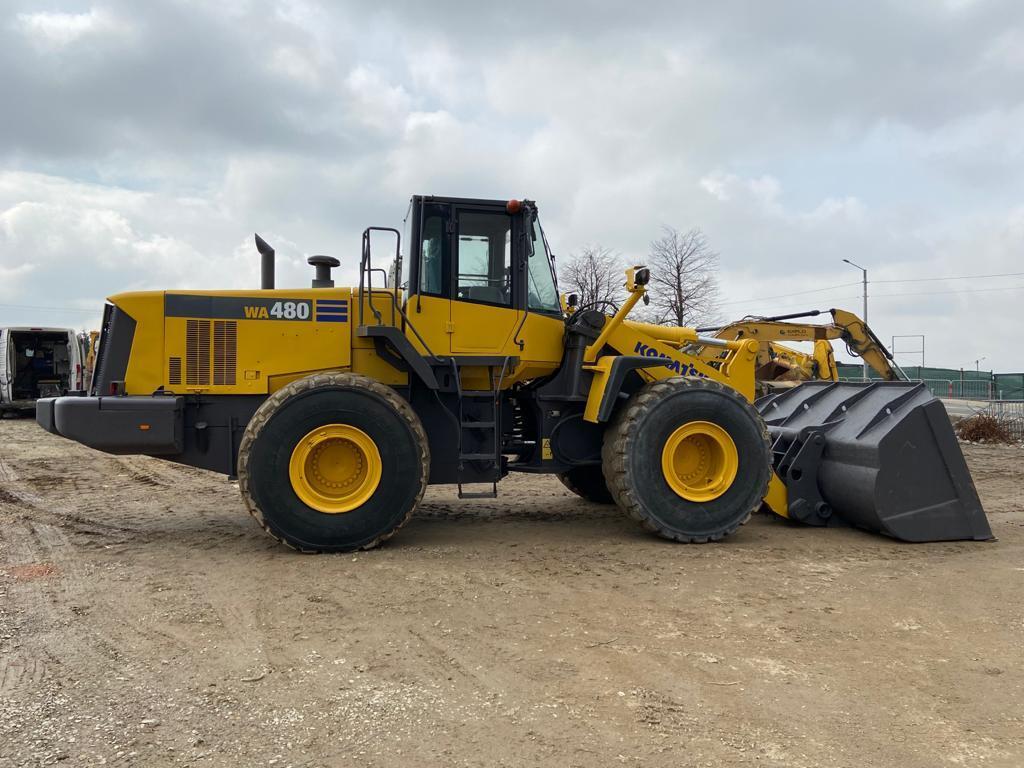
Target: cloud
pixel 72 244
pixel 56 30
pixel 12 279
pixel 762 191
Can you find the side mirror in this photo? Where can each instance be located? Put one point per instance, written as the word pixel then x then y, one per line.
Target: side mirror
pixel 573 300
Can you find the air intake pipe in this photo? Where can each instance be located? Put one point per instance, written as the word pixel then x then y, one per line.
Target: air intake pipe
pixel 266 265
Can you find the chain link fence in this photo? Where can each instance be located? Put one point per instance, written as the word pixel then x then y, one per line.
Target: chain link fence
pixel 1009 413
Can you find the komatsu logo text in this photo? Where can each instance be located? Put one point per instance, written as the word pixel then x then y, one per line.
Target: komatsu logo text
pixel 683 369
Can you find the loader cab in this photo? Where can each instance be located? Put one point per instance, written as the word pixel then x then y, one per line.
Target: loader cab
pixel 475 270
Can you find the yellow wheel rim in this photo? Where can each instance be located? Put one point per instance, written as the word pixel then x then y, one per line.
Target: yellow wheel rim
pixel 699 461
pixel 335 468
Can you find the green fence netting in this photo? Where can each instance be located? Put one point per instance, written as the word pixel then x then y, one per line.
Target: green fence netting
pixel 953 382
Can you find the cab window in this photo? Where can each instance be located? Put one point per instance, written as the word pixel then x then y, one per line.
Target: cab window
pixel 484 258
pixel 541 290
pixel 431 254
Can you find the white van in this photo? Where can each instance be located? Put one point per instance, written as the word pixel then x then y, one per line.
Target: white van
pixel 38 362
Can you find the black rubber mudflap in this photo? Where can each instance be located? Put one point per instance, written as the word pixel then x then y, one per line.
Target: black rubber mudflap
pixel 880 456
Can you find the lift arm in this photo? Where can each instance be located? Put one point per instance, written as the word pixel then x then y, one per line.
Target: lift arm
pixel 657 352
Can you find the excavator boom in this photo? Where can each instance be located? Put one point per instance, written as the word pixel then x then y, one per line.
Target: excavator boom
pixel 780 363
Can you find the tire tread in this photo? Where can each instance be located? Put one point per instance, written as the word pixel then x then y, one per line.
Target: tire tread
pixel 333 380
pixel 617 445
pixel 587 494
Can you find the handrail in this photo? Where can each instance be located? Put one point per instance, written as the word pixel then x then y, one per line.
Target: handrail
pixel 366 270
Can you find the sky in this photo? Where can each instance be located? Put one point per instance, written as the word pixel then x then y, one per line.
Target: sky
pixel 142 144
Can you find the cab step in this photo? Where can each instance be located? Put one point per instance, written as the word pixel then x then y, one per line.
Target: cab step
pixel 491 494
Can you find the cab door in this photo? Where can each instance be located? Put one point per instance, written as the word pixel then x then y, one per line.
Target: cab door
pixel 484 310
pixel 428 289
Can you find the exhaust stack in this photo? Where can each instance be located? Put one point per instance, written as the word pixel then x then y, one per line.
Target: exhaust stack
pixel 266 265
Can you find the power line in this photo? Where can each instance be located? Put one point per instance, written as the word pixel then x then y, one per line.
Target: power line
pixel 954 277
pixel 834 300
pixel 794 293
pixel 906 280
pixel 939 293
pixel 50 309
pixel 899 294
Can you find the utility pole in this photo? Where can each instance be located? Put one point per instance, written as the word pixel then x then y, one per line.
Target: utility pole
pixel 865 315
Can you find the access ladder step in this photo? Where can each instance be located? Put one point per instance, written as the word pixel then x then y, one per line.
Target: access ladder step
pixel 478 425
pixel 491 494
pixel 477 456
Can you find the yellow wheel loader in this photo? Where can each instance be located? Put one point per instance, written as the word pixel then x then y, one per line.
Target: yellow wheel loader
pixel 336 407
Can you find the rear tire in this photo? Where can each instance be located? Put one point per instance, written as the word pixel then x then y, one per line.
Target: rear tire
pixel 349 494
pixel 716 492
pixel 588 483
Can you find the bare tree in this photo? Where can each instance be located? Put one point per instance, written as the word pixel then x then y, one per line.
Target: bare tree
pixel 595 274
pixel 684 288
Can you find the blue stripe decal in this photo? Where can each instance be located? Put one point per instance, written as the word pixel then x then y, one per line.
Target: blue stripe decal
pixel 331 302
pixel 331 319
pixel 332 310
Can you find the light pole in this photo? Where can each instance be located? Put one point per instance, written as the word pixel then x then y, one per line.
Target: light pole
pixel 865 317
pixel 977 364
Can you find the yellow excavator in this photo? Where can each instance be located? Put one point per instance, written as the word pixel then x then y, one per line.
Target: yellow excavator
pixel 335 407
pixel 779 365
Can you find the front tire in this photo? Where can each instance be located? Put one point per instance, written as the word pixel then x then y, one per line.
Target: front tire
pixel 334 462
pixel 688 458
pixel 588 483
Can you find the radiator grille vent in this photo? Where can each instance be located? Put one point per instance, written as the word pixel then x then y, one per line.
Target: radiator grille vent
pixel 174 370
pixel 197 353
pixel 225 351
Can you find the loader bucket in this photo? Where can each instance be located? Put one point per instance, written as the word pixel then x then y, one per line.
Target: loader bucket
pixel 879 456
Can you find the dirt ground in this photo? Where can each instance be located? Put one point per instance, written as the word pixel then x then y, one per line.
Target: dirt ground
pixel 145 620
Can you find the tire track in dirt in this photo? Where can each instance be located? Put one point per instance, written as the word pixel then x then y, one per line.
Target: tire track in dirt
pixel 43 516
pixel 128 502
pixel 29 506
pixel 38 577
pixel 114 500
